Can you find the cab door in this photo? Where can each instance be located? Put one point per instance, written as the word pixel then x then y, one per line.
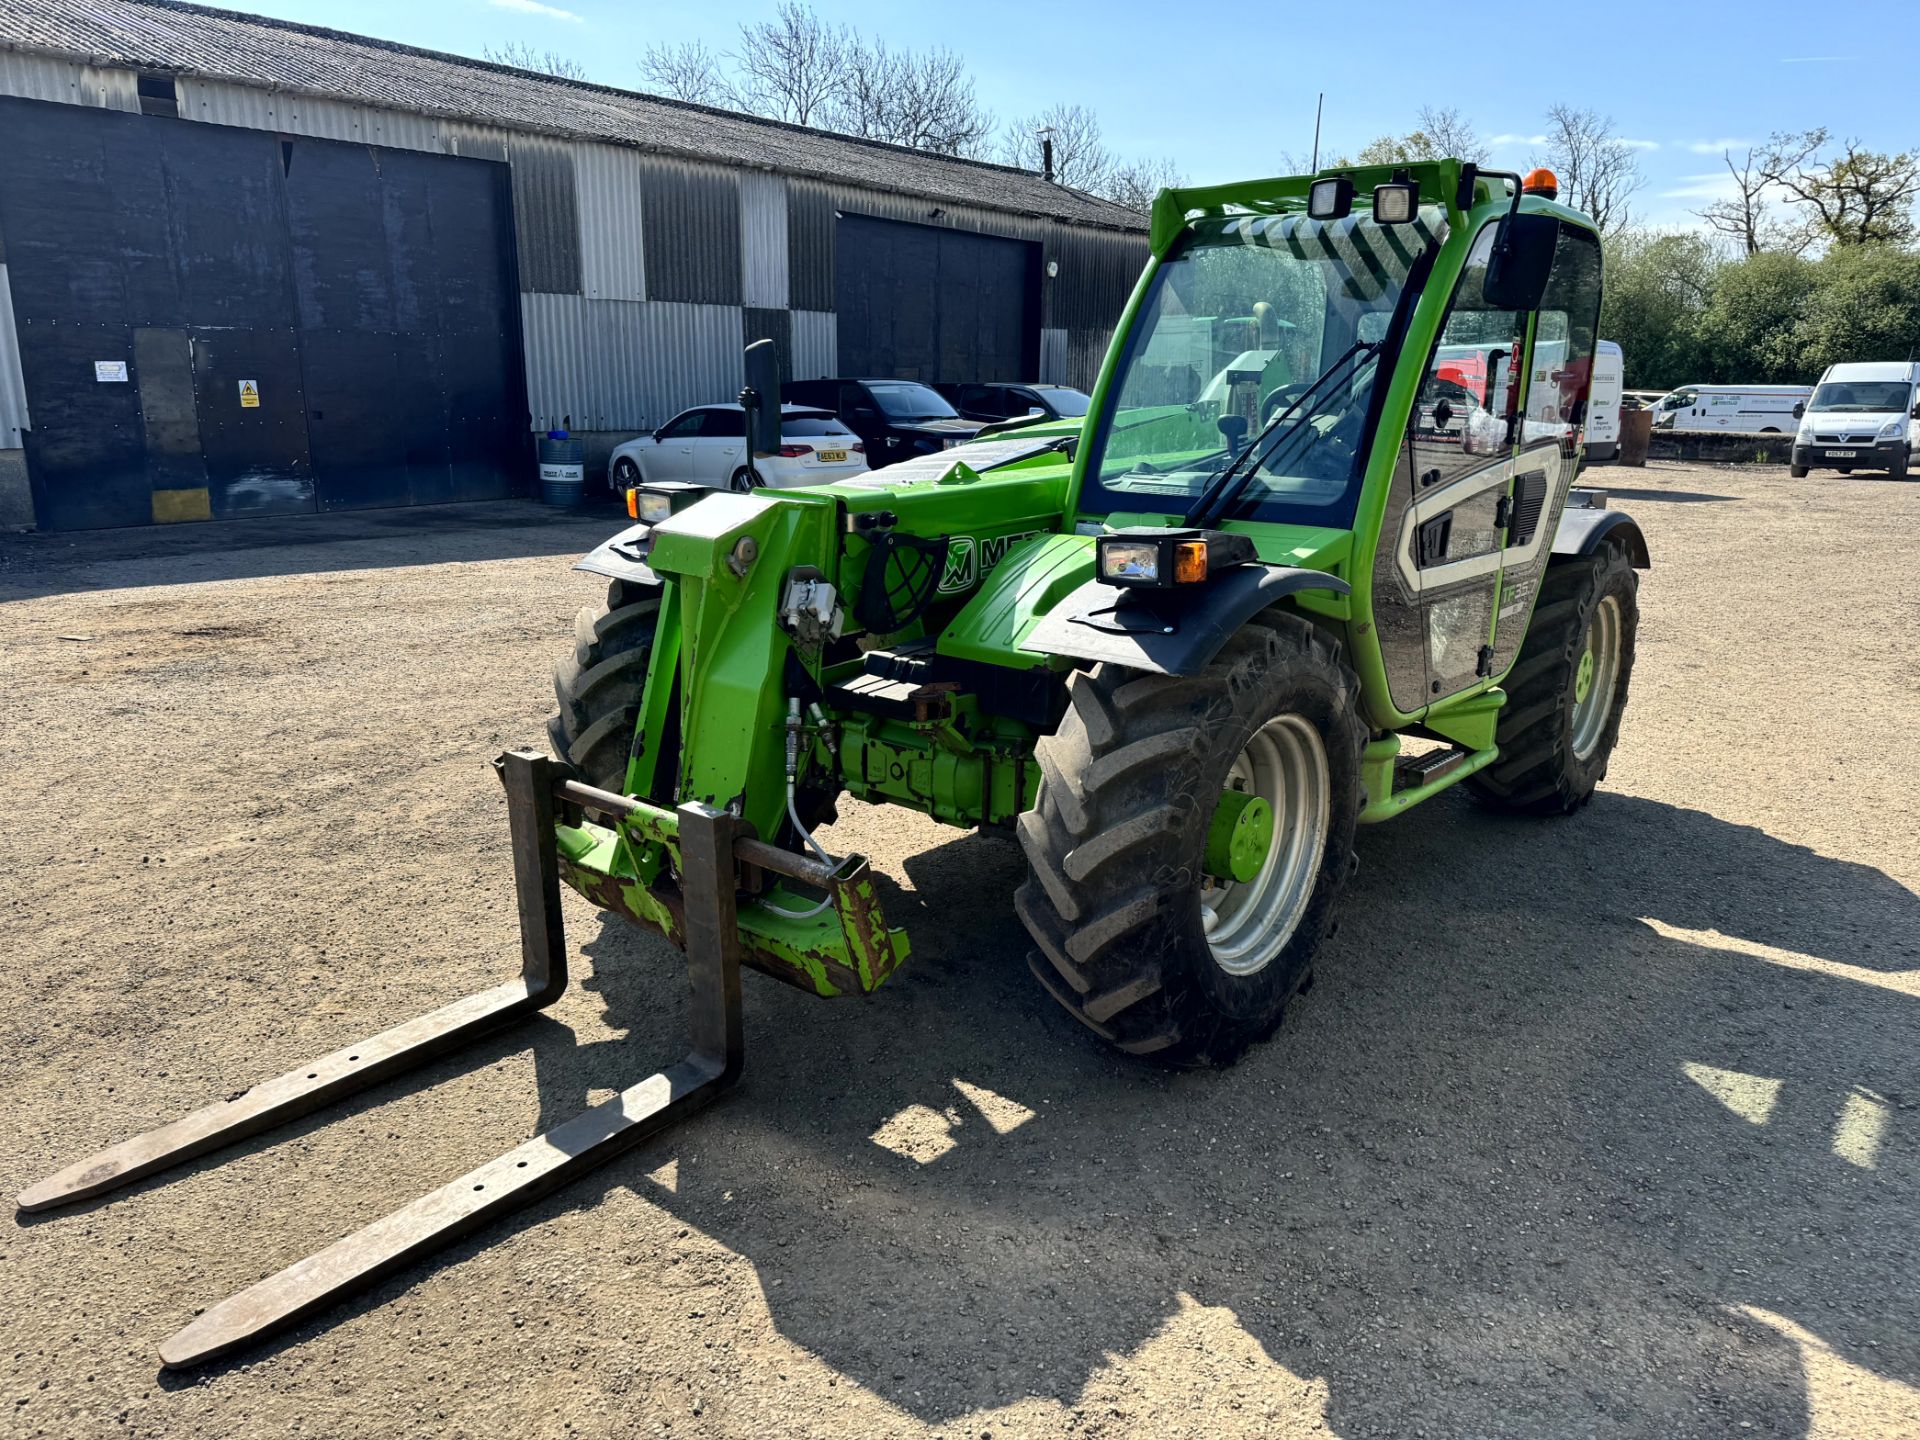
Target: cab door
pixel 1559 394
pixel 1457 466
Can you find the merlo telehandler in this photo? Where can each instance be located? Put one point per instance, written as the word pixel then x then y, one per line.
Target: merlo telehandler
pixel 1314 555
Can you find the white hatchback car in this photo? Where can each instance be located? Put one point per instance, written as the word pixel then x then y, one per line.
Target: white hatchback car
pixel 707 445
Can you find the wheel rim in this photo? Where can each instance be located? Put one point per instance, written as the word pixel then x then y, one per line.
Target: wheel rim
pixel 1248 923
pixel 742 481
pixel 625 473
pixel 1594 678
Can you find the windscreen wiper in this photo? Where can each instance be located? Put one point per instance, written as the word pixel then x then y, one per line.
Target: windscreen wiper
pixel 1225 488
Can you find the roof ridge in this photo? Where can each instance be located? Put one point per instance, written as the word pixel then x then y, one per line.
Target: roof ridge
pixel 327 32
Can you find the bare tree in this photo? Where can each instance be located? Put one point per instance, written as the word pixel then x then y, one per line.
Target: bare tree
pixel 922 100
pixel 687 71
pixel 1135 183
pixel 1451 134
pixel 791 67
pixel 1395 150
pixel 1857 197
pixel 1746 215
pixel 1596 169
pixel 523 56
pixel 1080 159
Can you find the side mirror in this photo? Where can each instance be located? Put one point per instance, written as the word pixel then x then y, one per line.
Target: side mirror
pixel 762 398
pixel 1035 412
pixel 1800 409
pixel 1522 257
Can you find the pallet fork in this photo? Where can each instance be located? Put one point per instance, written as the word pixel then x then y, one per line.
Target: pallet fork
pixel 713 845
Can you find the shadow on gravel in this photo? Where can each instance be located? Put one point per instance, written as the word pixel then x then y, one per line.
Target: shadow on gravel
pixel 1571 1136
pixel 35 565
pixel 1680 497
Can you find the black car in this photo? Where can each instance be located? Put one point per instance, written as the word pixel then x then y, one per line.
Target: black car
pixel 1002 400
pixel 898 419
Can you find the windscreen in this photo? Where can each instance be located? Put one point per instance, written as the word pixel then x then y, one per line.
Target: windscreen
pixel 812 425
pixel 1258 345
pixel 1068 404
pixel 1861 397
pixel 903 400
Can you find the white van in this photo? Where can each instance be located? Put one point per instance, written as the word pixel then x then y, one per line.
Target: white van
pixel 1861 416
pixel 1748 409
pixel 1603 403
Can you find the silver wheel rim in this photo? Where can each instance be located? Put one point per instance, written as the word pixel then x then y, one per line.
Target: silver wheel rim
pixel 1249 922
pixel 1602 654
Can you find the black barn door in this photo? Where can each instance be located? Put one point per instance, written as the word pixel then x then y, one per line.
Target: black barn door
pixel 920 302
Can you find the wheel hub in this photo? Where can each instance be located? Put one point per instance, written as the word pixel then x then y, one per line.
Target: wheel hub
pixel 1240 836
pixel 1265 845
pixel 1583 677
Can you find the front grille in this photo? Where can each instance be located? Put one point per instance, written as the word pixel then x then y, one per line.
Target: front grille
pixel 1844 439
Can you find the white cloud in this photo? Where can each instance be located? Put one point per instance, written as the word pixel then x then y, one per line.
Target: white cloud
pixel 1816 59
pixel 1716 185
pixel 1717 147
pixel 1518 140
pixel 534 7
pixel 1641 144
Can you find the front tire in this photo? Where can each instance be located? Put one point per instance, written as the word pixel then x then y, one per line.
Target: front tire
pixel 1798 472
pixel 1898 469
pixel 1136 940
pixel 600 683
pixel 626 474
pixel 745 481
pixel 1567 690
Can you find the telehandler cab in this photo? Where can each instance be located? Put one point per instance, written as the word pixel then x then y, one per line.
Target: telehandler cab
pixel 1310 560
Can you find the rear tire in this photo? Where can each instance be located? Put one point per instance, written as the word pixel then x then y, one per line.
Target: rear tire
pixel 1556 734
pixel 1117 838
pixel 600 683
pixel 745 481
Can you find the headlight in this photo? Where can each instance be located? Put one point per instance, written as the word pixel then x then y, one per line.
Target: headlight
pixel 1148 557
pixel 1806 430
pixel 1893 428
pixel 650 507
pixel 1135 562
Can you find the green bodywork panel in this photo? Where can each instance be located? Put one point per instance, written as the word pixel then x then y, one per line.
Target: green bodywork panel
pixel 724 668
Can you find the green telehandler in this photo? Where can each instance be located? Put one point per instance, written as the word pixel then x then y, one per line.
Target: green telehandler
pixel 1314 555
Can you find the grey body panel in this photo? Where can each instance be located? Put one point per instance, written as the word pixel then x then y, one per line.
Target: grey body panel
pixel 1583 531
pixel 1168 632
pixel 621 558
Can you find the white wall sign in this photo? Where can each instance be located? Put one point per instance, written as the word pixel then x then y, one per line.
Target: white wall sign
pixel 105 370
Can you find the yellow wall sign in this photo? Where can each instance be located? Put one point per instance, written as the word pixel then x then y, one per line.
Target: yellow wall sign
pixel 249 395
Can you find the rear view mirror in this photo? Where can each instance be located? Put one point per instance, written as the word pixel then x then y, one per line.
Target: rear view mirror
pixel 1522 257
pixel 762 398
pixel 1234 429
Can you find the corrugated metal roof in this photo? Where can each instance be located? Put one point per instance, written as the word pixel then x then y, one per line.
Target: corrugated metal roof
pixel 281 55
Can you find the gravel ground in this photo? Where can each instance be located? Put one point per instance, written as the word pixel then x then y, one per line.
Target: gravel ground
pixel 1597 1127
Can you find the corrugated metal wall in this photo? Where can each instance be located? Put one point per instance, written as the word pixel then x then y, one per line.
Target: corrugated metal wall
pixel 13 383
pixel 816 343
pixel 1053 356
pixel 691 214
pixel 763 240
pixel 241 105
pixel 546 215
pixel 35 77
pixel 625 364
pixel 608 181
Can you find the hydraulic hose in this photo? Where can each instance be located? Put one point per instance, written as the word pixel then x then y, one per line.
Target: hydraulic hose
pixel 794 727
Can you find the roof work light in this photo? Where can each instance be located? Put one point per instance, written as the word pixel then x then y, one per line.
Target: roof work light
pixel 1330 199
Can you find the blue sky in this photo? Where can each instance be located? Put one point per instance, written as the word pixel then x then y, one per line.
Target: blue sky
pixel 1225 90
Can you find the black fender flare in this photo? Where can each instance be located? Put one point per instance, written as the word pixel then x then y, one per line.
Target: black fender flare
pixel 1168 632
pixel 622 558
pixel 1584 531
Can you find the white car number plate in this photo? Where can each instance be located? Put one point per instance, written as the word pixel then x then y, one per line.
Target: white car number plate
pixel 1840 454
pixel 833 457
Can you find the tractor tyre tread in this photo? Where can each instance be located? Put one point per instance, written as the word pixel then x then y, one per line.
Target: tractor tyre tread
pixel 598 687
pixel 1537 772
pixel 1112 843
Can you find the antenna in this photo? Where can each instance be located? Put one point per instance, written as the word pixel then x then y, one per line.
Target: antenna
pixel 1317 105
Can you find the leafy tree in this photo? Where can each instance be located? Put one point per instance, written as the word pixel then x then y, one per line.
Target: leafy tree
pixel 1864 305
pixel 1657 288
pixel 1855 196
pixel 1750 324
